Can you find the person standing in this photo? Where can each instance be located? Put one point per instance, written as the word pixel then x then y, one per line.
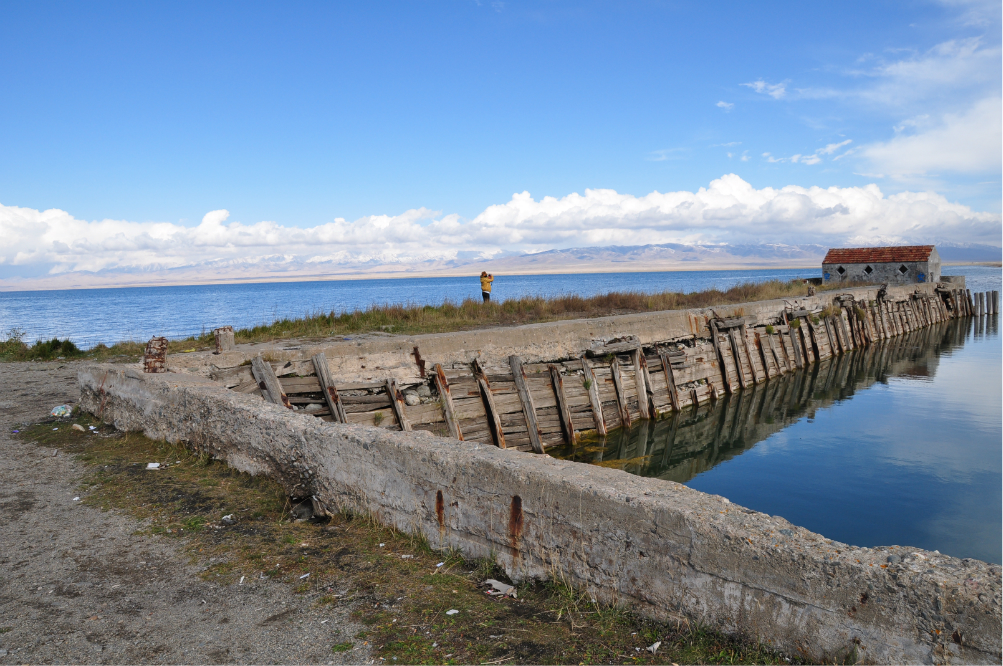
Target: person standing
pixel 486 280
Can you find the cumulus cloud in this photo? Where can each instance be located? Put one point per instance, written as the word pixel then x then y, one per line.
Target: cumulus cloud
pixel 967 142
pixel 729 210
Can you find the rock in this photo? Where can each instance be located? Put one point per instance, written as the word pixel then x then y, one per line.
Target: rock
pixel 312 407
pixel 894 559
pixel 423 391
pixel 411 398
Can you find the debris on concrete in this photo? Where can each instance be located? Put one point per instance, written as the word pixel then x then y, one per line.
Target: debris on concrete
pixel 500 588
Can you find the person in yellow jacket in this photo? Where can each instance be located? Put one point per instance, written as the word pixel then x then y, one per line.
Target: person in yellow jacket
pixel 486 280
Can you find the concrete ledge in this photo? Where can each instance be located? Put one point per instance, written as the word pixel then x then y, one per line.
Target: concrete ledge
pixel 654 545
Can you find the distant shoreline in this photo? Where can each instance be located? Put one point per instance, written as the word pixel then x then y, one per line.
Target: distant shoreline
pixel 42 285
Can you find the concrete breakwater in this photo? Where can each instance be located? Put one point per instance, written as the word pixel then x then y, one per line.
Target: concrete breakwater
pixel 658 546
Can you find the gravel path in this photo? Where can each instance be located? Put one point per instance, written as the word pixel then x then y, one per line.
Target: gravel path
pixel 78 586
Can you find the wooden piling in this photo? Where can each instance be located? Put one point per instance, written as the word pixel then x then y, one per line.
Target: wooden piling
pixel 720 357
pixel 446 398
pixel 268 382
pixel 738 359
pixel 491 410
pixel 670 381
pixel 748 352
pixel 397 404
pixel 328 388
pixel 593 391
pixel 223 337
pixel 641 383
pixel 519 375
pixel 567 425
pixel 621 399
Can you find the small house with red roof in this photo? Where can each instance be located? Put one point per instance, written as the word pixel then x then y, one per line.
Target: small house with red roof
pixel 894 265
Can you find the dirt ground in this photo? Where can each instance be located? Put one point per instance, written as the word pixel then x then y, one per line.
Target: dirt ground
pixel 79 585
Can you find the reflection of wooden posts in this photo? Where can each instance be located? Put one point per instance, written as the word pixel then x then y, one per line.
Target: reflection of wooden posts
pixel 640 383
pixel 621 399
pixel 446 398
pixel 494 419
pixel 224 339
pixel 720 357
pixel 670 381
pixel 327 387
pixel 268 382
pixel 519 375
pixel 397 404
pixel 557 379
pixel 593 391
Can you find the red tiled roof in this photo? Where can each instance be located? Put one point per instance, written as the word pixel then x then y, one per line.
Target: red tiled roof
pixel 878 255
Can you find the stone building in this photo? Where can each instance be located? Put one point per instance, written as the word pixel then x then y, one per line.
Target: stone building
pixel 894 265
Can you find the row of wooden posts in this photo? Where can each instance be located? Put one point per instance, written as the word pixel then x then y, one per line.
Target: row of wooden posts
pixel 534 406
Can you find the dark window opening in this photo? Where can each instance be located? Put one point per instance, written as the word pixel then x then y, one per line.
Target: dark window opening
pixel 903 270
pixel 840 270
pixel 868 270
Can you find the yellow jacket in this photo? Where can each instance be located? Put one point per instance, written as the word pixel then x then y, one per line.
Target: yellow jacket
pixel 486 283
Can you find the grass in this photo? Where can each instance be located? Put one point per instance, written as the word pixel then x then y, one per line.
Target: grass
pixel 409 319
pixel 397 586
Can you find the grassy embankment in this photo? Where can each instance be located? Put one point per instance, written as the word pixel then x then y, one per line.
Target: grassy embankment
pixel 395 584
pixel 414 319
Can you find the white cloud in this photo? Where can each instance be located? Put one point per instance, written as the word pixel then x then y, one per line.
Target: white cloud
pixel 774 90
pixel 727 106
pixel 829 149
pixel 729 210
pixel 969 142
pixel 812 159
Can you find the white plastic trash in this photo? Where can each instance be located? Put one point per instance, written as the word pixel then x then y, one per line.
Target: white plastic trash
pixel 152 465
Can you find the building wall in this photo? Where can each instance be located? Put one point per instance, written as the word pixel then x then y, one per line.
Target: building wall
pixel 918 271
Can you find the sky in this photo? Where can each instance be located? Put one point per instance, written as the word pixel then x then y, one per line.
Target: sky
pixel 143 135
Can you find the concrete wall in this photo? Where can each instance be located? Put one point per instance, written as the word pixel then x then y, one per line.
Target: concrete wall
pixel 655 545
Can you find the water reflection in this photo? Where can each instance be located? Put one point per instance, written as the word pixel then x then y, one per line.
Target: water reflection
pixel 914 459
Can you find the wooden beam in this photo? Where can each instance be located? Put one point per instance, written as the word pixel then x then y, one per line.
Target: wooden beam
pixel 748 352
pixel 640 374
pixel 781 367
pixel 758 344
pixel 494 419
pixel 720 357
pixel 621 399
pixel 792 335
pixel 397 404
pixel 593 390
pixel 519 375
pixel 446 398
pixel 738 359
pixel 327 387
pixel 557 379
pixel 268 382
pixel 670 381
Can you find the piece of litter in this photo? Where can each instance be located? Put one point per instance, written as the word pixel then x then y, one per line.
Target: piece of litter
pixel 435 645
pixel 55 428
pixel 653 648
pixel 152 465
pixel 304 576
pixel 452 611
pixel 77 426
pixel 406 557
pixel 324 621
pixel 76 499
pixel 500 588
pixel 241 581
pixel 91 428
pixel 61 410
pixel 381 545
pixel 440 564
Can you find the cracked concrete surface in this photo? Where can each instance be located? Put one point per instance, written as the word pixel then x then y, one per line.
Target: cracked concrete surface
pixel 78 585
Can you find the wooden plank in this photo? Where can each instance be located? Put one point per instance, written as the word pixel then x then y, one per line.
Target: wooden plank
pixel 268 382
pixel 640 372
pixel 792 334
pixel 527 403
pixel 670 382
pixel 781 367
pixel 720 357
pixel 397 404
pixel 593 391
pixel 491 410
pixel 562 404
pixel 621 399
pixel 748 353
pixel 324 380
pixel 442 386
pixel 738 358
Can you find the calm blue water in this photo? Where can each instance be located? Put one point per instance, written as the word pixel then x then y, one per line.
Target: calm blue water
pixel 894 444
pixel 89 316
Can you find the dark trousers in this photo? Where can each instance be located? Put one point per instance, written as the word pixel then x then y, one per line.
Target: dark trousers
pixel 486 295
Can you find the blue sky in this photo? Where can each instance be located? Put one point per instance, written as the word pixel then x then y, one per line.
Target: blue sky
pixel 301 114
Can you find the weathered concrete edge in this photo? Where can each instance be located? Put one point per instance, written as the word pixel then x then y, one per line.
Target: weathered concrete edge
pixel 657 546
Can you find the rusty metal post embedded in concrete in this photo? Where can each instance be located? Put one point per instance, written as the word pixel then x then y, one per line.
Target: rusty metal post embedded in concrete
pixel 155 356
pixel 223 337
